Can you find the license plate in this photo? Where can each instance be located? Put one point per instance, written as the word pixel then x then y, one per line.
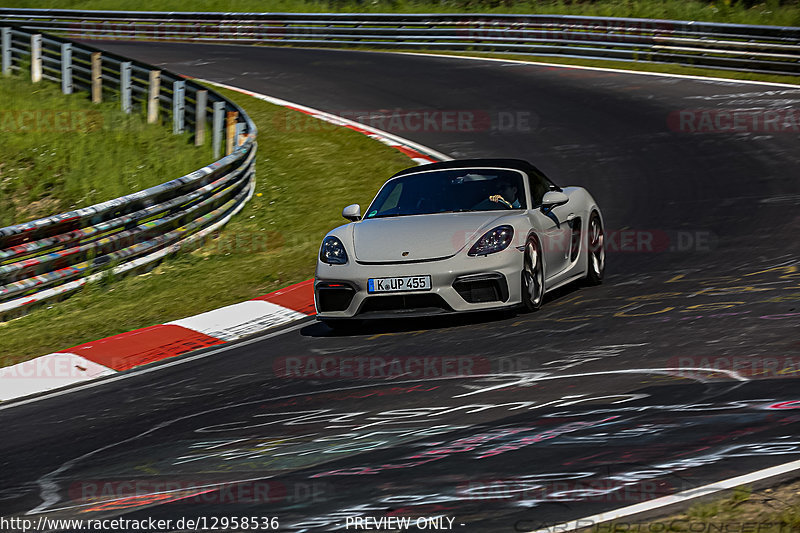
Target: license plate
pixel 399 284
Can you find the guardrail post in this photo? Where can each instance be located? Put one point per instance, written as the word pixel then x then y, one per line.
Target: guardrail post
pixel 239 134
pixel 153 91
pixel 201 100
pixel 5 37
pixel 36 58
pixel 97 78
pixel 230 131
pixel 125 69
pixel 178 106
pixel 216 128
pixel 66 68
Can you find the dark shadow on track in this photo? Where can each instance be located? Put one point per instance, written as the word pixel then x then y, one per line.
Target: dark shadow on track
pixel 400 324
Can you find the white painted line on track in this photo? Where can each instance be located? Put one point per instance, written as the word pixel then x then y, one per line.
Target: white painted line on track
pixel 606 69
pixel 669 371
pixel 49 487
pixel 329 117
pixel 50 490
pixel 672 499
pixel 546 64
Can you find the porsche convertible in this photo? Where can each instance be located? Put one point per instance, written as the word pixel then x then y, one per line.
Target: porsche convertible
pixel 458 236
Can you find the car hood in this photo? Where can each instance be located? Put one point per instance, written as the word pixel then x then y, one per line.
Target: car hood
pixel 423 237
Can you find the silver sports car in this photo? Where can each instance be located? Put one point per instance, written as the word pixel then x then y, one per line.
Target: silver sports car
pixel 464 235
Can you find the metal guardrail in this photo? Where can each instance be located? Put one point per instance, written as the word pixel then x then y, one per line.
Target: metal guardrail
pixel 762 49
pixel 49 257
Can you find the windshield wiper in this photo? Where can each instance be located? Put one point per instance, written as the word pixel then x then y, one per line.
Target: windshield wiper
pixel 428 213
pixel 392 215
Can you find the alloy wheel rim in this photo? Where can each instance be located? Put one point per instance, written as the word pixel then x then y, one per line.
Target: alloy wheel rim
pixel 533 273
pixel 597 250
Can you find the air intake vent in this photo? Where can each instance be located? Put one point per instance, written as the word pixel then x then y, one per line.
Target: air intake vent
pixel 483 288
pixel 333 297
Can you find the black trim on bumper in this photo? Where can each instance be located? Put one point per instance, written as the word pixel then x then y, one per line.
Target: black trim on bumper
pixel 403 304
pixel 333 296
pixel 482 288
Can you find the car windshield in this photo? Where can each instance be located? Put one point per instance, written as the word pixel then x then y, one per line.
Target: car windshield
pixel 448 191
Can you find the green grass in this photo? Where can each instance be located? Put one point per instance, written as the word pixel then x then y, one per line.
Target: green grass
pixel 307 171
pixel 774 12
pixel 60 152
pixel 771 510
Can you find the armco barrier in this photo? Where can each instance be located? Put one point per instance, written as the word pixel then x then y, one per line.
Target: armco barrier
pixel 764 49
pixel 49 257
pixel 233 322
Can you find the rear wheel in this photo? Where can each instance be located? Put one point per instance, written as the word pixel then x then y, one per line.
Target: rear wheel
pixel 532 276
pixel 596 256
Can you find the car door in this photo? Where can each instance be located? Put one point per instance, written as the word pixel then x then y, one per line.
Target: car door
pixel 555 236
pixel 552 227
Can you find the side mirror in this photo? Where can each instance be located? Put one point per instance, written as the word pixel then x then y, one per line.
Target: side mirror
pixel 553 199
pixel 352 212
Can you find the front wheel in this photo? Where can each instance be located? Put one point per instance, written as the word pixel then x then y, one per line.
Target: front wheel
pixel 532 276
pixel 596 253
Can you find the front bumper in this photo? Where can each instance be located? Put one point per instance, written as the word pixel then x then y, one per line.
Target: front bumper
pixel 458 284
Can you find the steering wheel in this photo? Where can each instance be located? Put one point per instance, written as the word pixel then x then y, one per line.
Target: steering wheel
pixel 498 199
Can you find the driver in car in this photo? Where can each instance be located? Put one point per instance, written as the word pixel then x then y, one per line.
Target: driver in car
pixel 508 194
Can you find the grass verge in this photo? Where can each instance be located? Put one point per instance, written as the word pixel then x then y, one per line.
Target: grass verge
pixel 772 510
pixel 61 152
pixel 770 12
pixel 307 170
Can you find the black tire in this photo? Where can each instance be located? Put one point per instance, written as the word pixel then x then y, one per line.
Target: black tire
pixel 532 276
pixel 596 253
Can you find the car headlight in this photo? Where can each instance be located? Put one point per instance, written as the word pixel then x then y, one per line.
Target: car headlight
pixel 494 240
pixel 332 252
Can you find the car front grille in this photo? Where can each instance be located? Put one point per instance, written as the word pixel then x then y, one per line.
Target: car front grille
pixel 404 303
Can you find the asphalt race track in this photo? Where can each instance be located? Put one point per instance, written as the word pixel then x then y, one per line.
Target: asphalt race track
pixel 680 370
